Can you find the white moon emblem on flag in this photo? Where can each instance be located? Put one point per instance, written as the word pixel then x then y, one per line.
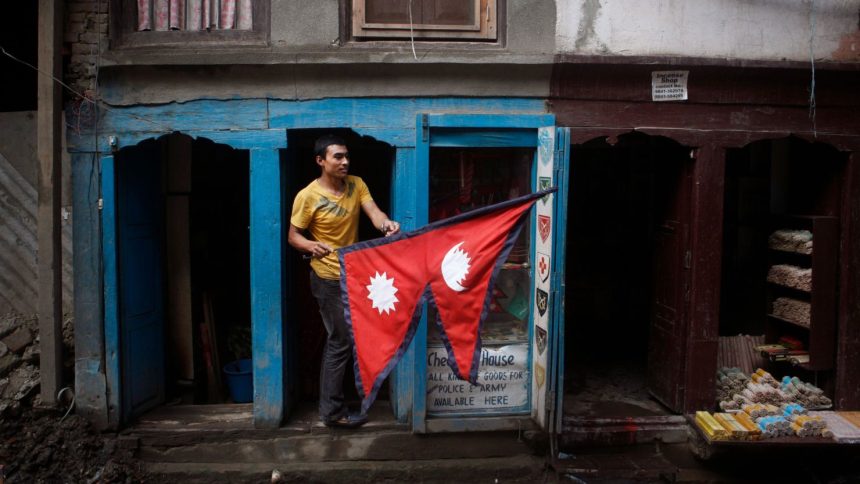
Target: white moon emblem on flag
pixel 455 267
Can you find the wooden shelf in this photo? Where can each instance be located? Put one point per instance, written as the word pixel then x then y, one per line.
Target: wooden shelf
pixel 790 254
pixel 789 289
pixel 787 321
pixel 820 336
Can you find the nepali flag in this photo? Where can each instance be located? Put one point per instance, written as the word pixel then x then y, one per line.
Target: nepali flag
pixel 452 262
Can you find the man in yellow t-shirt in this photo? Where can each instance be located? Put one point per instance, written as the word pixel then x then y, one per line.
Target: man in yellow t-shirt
pixel 325 218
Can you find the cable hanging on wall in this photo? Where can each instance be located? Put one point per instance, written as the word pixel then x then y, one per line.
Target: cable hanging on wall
pixel 812 65
pixel 412 31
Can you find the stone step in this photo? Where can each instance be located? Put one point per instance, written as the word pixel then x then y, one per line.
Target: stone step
pixel 338 445
pixel 584 431
pixel 516 469
pixel 206 434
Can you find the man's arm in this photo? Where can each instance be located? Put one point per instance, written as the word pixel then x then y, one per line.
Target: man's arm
pixel 298 240
pixel 379 219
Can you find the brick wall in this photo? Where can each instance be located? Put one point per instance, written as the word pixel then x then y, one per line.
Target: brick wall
pixel 86 30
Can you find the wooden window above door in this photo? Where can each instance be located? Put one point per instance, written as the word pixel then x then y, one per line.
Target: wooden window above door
pixel 425 19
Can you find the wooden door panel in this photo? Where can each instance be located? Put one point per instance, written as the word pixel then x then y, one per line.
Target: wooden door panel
pixel 141 303
pixel 670 283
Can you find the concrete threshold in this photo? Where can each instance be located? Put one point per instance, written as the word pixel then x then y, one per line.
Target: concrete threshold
pixel 585 431
pixel 517 469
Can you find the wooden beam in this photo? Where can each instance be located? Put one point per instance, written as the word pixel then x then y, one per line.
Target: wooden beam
pixel 740 119
pixel 267 329
pixel 90 383
pixel 848 346
pixel 50 305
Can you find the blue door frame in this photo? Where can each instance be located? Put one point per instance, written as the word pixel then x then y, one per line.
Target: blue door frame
pixel 477 130
pixel 266 279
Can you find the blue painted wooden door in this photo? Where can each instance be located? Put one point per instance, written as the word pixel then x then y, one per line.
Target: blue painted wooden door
pixel 139 226
pixel 545 343
pixel 561 181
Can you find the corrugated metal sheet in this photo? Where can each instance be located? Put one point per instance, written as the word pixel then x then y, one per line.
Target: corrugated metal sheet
pixel 19 244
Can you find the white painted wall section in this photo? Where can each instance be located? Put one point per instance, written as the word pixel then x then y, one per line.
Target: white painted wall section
pixel 736 29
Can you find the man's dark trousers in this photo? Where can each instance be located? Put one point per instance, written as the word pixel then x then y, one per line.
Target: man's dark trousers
pixel 337 348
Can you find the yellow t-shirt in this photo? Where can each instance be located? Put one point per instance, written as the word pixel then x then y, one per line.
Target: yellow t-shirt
pixel 330 219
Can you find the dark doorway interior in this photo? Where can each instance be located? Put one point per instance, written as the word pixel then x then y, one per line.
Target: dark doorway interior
pixel 777 185
pixel 371 160
pixel 622 196
pixel 202 264
pixel 208 268
pixel 220 264
pixel 19 37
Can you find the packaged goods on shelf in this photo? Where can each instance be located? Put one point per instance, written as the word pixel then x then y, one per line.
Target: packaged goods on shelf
pixel 734 428
pixel 790 409
pixel 799 241
pixel 729 382
pixel 761 394
pixel 807 426
pixel 804 393
pixel 762 377
pixel 710 426
pixel 773 426
pixel 792 310
pixel 791 276
pixel 753 432
pixel 838 428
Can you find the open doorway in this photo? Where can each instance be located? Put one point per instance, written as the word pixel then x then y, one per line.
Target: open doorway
pixel 183 290
pixel 780 257
pixel 627 239
pixel 373 161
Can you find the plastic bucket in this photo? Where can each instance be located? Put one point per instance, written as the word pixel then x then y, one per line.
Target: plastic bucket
pixel 239 376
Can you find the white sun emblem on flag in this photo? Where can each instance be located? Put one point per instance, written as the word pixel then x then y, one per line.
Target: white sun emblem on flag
pixel 455 267
pixel 382 293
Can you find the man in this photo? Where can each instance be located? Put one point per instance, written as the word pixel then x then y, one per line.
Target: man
pixel 328 210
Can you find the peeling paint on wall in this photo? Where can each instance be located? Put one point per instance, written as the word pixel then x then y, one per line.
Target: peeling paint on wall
pixel 585 31
pixel 765 30
pixel 849 48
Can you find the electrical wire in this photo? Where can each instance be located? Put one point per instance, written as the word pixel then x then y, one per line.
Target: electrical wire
pixel 82 96
pixel 812 23
pixel 71 405
pixel 412 32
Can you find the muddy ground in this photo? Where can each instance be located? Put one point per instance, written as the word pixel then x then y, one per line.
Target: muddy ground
pixel 39 444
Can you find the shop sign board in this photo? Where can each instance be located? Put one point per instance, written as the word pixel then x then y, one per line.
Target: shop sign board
pixel 503 378
pixel 669 85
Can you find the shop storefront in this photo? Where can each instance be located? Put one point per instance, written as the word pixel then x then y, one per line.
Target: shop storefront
pixel 670 208
pixel 169 223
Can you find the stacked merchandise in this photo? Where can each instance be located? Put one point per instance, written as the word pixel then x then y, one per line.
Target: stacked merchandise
pixel 793 310
pixel 799 241
pixel 840 425
pixel 759 406
pixel 791 276
pixel 786 349
pixel 806 394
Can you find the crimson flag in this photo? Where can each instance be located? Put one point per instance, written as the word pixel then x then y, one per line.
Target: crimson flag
pixel 452 262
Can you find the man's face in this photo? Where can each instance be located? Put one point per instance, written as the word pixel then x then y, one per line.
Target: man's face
pixel 336 161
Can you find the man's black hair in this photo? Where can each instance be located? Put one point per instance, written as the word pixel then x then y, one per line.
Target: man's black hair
pixel 323 142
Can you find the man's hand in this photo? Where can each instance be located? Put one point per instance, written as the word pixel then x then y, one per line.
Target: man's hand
pixel 318 249
pixel 389 228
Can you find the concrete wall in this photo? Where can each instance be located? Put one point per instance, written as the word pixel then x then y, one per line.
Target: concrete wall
pixel 19 169
pixel 738 29
pixel 308 25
